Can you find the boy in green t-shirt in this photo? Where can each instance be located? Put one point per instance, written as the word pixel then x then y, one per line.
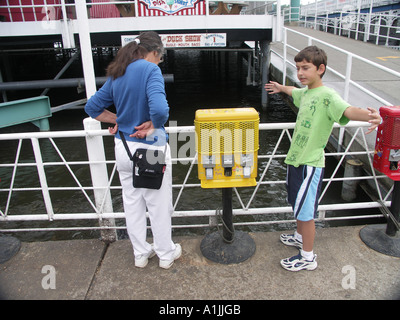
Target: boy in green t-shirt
pixel 319 107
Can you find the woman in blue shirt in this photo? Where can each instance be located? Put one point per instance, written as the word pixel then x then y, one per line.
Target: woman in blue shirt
pixel 135 86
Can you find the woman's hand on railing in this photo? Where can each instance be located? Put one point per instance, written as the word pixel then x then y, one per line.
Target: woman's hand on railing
pixel 113 130
pixel 143 130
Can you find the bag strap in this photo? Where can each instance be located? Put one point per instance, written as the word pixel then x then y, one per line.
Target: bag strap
pixel 121 134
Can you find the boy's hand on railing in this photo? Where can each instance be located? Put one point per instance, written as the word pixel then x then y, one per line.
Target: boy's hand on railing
pixel 375 119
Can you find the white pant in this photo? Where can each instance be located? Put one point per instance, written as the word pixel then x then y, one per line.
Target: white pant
pixel 158 203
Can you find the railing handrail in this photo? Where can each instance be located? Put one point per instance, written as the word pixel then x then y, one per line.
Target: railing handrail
pixel 244 209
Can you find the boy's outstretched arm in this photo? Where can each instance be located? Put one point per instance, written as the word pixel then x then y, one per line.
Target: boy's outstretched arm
pixel 275 87
pixel 369 115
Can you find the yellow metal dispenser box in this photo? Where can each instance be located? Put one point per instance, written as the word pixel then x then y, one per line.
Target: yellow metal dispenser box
pixel 227 146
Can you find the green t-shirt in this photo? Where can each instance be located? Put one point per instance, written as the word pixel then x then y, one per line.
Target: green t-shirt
pixel 319 108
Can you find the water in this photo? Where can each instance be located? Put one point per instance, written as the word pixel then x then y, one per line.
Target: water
pixel 202 80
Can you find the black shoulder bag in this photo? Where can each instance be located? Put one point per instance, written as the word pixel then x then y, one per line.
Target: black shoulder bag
pixel 146 174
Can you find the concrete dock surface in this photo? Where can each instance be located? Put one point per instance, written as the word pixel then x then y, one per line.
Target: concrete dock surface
pixel 92 270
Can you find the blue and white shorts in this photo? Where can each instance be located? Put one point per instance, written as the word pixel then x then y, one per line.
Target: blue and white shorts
pixel 304 185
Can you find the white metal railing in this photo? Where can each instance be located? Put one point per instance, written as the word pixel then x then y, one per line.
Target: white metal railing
pixel 346 19
pixel 351 18
pixel 101 210
pixel 329 5
pixel 360 26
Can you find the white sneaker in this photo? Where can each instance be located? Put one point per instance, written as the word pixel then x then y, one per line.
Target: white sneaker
pixel 290 240
pixel 297 263
pixel 142 260
pixel 166 264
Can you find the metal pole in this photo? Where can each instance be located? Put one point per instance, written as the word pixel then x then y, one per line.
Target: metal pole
pixel 284 56
pixel 3 93
pixel 315 15
pixel 249 64
pixel 379 29
pixel 264 72
pixel 385 239
pixel 68 40
pixel 394 209
pixel 227 231
pixel 366 35
pixel 65 68
pixel 42 178
pixel 278 36
pixel 346 93
pixel 233 246
pixel 99 174
pixel 86 47
pixel 347 79
pixel 59 83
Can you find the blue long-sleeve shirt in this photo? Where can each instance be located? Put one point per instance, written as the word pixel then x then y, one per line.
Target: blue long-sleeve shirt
pixel 138 96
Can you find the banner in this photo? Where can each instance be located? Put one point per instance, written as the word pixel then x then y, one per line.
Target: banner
pixel 169 6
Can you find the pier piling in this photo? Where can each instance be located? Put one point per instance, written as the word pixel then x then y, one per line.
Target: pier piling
pixel 349 187
pixel 265 53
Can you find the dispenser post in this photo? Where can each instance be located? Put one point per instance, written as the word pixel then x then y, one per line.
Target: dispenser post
pixel 227 231
pixel 391 229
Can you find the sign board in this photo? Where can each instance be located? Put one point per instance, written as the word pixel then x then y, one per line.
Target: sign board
pixel 169 6
pixel 195 40
pixel 126 39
